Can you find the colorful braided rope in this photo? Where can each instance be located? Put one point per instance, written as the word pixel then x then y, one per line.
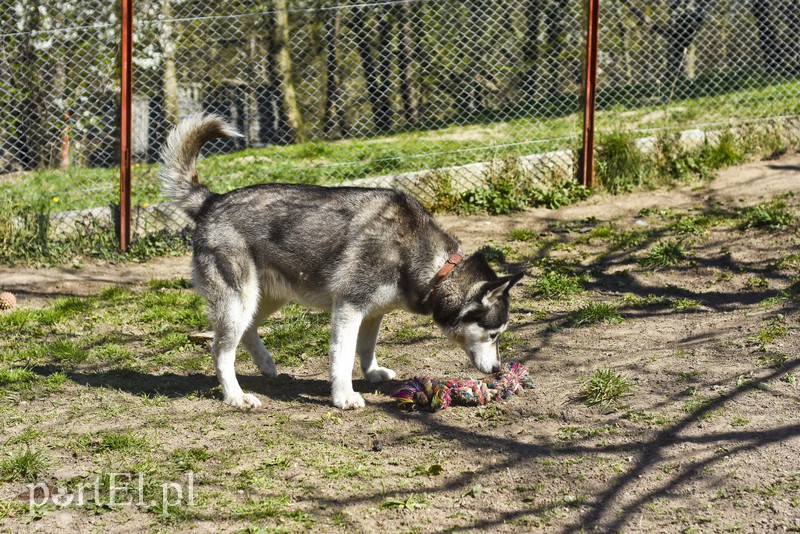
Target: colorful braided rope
pixel 432 394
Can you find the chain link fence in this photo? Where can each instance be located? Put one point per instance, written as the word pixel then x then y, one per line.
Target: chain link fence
pixel 433 96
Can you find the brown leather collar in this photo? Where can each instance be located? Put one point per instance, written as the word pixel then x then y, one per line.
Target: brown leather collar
pixel 446 269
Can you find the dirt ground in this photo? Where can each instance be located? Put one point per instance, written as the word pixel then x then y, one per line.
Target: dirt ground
pixel 707 441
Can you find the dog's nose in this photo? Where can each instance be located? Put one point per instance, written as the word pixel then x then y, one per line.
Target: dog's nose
pixel 495 368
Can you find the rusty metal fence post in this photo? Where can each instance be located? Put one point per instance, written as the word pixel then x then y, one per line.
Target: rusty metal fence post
pixel 586 170
pixel 126 73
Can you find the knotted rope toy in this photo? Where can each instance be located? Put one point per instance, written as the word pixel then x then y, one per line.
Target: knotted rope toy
pixel 432 394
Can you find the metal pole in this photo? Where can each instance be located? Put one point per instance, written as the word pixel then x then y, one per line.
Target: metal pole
pixel 590 93
pixel 125 126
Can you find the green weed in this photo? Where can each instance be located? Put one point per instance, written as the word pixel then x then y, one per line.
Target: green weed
pixel 558 193
pixel 263 508
pixel 116 441
pixel 684 304
pixel 635 301
pixel 555 284
pixel 522 234
pixel 771 215
pixel 664 254
pixel 595 312
pixel 24 466
pixel 603 387
pixel 411 503
pixel 297 335
pixel 620 164
pixel 774 329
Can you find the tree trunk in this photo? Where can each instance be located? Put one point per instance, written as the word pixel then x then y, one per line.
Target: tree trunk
pixel 284 66
pixel 767 34
pixel 364 46
pixel 384 113
pixel 530 50
pixel 792 58
pixel 554 35
pixel 408 65
pixel 29 135
pixel 334 124
pixel 472 86
pixel 170 87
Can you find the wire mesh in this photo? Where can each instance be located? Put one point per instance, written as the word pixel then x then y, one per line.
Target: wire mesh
pixel 433 96
pixel 681 64
pixel 408 94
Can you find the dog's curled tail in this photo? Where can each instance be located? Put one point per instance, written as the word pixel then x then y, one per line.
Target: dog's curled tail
pixel 179 172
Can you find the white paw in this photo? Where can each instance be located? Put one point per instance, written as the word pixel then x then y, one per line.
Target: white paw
pixel 244 401
pixel 348 401
pixel 379 374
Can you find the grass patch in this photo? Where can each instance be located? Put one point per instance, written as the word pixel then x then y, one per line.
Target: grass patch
pixel 116 441
pixel 684 304
pixel 263 508
pixel 650 301
pixel 620 165
pixel 298 335
pixel 604 387
pixel 664 254
pixel 23 466
pixel 773 215
pixel 769 333
pixel 411 503
pixel 522 234
pixel 595 312
pixel 555 284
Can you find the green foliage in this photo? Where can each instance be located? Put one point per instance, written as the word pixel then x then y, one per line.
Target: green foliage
pixel 595 312
pixel 411 503
pixel 620 165
pixel 262 508
pixel 556 284
pixel 117 441
pixel 522 234
pixel 677 160
pixel 558 193
pixel 24 466
pixel 298 335
pixel 603 387
pixel 774 329
pixel 650 300
pixel 26 237
pixel 508 189
pixel 505 191
pixel 770 215
pixel 664 254
pixel 691 225
pixel 684 304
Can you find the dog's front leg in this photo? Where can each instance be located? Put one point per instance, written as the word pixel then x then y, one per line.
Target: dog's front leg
pixel 367 338
pixel 345 323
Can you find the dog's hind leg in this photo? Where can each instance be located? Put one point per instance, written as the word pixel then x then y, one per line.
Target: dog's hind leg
pixel 345 323
pixel 367 338
pixel 258 352
pixel 232 312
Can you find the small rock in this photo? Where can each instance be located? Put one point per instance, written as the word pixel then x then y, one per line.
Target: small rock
pixel 376 446
pixel 641 222
pixel 201 337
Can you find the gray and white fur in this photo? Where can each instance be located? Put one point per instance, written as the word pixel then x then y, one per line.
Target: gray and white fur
pixel 354 251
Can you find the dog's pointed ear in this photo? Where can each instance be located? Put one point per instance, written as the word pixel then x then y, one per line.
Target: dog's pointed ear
pixel 498 288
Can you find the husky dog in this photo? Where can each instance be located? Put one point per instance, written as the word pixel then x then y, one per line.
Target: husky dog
pixel 354 251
